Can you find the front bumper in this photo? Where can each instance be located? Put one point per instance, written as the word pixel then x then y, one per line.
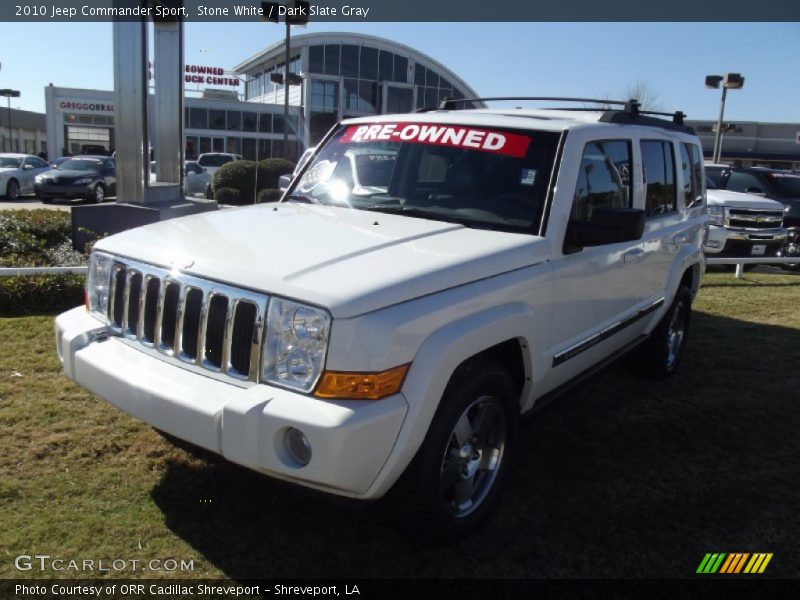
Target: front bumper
pixel 730 243
pixel 350 440
pixel 44 190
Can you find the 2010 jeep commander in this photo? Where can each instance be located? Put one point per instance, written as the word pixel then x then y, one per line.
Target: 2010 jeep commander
pixel 353 334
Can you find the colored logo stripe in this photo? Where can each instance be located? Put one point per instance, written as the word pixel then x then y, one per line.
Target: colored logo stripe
pixel 735 562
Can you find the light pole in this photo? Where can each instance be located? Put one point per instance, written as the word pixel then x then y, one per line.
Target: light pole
pixel 732 81
pixel 9 94
pixel 296 14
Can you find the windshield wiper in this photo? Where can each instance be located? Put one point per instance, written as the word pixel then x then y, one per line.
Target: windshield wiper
pixel 301 198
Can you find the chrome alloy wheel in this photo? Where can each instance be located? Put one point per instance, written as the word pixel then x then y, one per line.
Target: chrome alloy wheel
pixel 675 334
pixel 473 456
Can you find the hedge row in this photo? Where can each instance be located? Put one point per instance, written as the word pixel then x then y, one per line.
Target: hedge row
pixel 38 238
pixel 243 181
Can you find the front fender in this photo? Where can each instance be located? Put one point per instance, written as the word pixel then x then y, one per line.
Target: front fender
pixel 436 360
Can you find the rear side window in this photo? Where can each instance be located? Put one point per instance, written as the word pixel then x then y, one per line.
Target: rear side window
pixel 658 165
pixel 692 169
pixel 604 179
pixel 214 160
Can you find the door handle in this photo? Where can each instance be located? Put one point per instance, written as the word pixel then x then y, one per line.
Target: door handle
pixel 633 255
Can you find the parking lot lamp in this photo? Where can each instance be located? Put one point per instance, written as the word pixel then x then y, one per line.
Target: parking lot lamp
pixel 732 81
pixel 9 94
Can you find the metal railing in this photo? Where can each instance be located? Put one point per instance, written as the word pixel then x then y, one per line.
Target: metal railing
pixel 741 262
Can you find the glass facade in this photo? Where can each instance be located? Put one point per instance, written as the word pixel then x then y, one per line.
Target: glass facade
pixel 351 79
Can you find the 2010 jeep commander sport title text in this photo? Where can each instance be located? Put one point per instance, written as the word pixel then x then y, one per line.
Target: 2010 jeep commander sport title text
pixel 426 280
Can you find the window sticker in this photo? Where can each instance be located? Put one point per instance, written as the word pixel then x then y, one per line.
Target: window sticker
pixel 528 177
pixel 453 136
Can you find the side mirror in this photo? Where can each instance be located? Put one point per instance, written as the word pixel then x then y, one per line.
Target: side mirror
pixel 755 190
pixel 606 226
pixel 190 173
pixel 28 168
pixel 283 182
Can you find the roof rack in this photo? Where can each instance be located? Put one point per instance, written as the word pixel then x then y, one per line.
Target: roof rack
pixel 631 109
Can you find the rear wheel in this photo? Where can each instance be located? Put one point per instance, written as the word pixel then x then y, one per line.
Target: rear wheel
pixel 12 190
pixel 452 485
pixel 663 351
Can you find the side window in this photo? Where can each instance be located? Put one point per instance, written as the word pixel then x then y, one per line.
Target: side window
pixel 604 179
pixel 658 164
pixel 691 168
pixel 36 163
pixel 741 182
pixel 716 175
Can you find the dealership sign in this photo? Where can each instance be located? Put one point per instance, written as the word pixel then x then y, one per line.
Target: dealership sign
pixel 208 76
pixel 86 106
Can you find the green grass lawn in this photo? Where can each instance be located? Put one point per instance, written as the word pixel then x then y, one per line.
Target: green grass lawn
pixel 623 478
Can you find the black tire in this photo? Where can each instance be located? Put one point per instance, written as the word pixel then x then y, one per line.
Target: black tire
pixel 12 190
pixel 452 485
pixel 661 354
pixel 98 194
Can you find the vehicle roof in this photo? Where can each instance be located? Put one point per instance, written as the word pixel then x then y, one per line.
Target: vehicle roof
pixel 93 156
pixel 217 154
pixel 519 118
pixel 16 155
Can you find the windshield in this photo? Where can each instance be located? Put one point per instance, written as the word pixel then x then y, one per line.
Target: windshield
pixel 491 179
pixel 9 162
pixel 787 184
pixel 214 160
pixel 81 164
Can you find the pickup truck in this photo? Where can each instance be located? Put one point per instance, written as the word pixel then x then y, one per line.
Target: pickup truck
pixel 392 338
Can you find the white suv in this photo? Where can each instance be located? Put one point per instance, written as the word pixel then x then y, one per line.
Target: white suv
pixel 349 342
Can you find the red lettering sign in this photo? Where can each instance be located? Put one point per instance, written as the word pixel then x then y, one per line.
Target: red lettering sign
pixel 454 136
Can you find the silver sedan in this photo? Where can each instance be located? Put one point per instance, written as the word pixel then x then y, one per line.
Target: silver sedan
pixel 196 180
pixel 17 172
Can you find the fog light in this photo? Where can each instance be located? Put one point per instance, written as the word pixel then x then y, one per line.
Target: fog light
pixel 712 244
pixel 297 446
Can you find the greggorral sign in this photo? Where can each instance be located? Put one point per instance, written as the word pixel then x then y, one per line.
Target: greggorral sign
pixel 208 76
pixel 84 106
pixel 500 142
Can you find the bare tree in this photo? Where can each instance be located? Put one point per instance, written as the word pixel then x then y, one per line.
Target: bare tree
pixel 648 96
pixel 639 89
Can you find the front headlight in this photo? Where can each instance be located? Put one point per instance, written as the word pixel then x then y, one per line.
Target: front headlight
pixel 716 215
pixel 295 344
pixel 98 284
pixel 82 180
pixel 38 178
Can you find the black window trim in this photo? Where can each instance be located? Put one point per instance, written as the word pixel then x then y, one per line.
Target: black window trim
pixel 674 179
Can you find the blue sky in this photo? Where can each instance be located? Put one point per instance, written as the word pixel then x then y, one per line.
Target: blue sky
pixel 563 59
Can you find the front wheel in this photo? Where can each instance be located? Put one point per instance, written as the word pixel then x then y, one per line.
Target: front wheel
pixel 452 484
pixel 12 190
pixel 663 351
pixel 98 194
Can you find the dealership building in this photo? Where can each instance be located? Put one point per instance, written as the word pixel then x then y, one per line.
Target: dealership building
pixel 337 76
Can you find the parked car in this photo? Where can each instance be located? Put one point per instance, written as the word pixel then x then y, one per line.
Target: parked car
pixel 211 161
pixel 775 184
pixel 17 173
pixel 350 341
pixel 196 180
pixel 89 177
pixel 742 225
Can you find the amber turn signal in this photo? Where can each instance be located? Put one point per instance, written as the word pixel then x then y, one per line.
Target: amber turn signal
pixel 361 386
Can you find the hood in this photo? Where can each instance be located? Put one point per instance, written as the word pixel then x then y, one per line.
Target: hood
pixel 349 261
pixel 739 200
pixel 69 174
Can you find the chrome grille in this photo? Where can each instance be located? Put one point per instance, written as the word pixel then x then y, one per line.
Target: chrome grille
pixel 747 218
pixel 192 322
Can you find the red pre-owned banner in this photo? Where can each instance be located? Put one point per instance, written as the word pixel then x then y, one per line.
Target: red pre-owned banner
pixel 470 138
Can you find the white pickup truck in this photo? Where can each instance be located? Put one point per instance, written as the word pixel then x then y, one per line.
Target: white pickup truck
pixel 350 342
pixel 742 225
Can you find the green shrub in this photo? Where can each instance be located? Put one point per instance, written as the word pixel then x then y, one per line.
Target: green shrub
pixel 37 295
pixel 270 169
pixel 269 196
pixel 241 175
pixel 34 238
pixel 228 195
pixel 238 175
